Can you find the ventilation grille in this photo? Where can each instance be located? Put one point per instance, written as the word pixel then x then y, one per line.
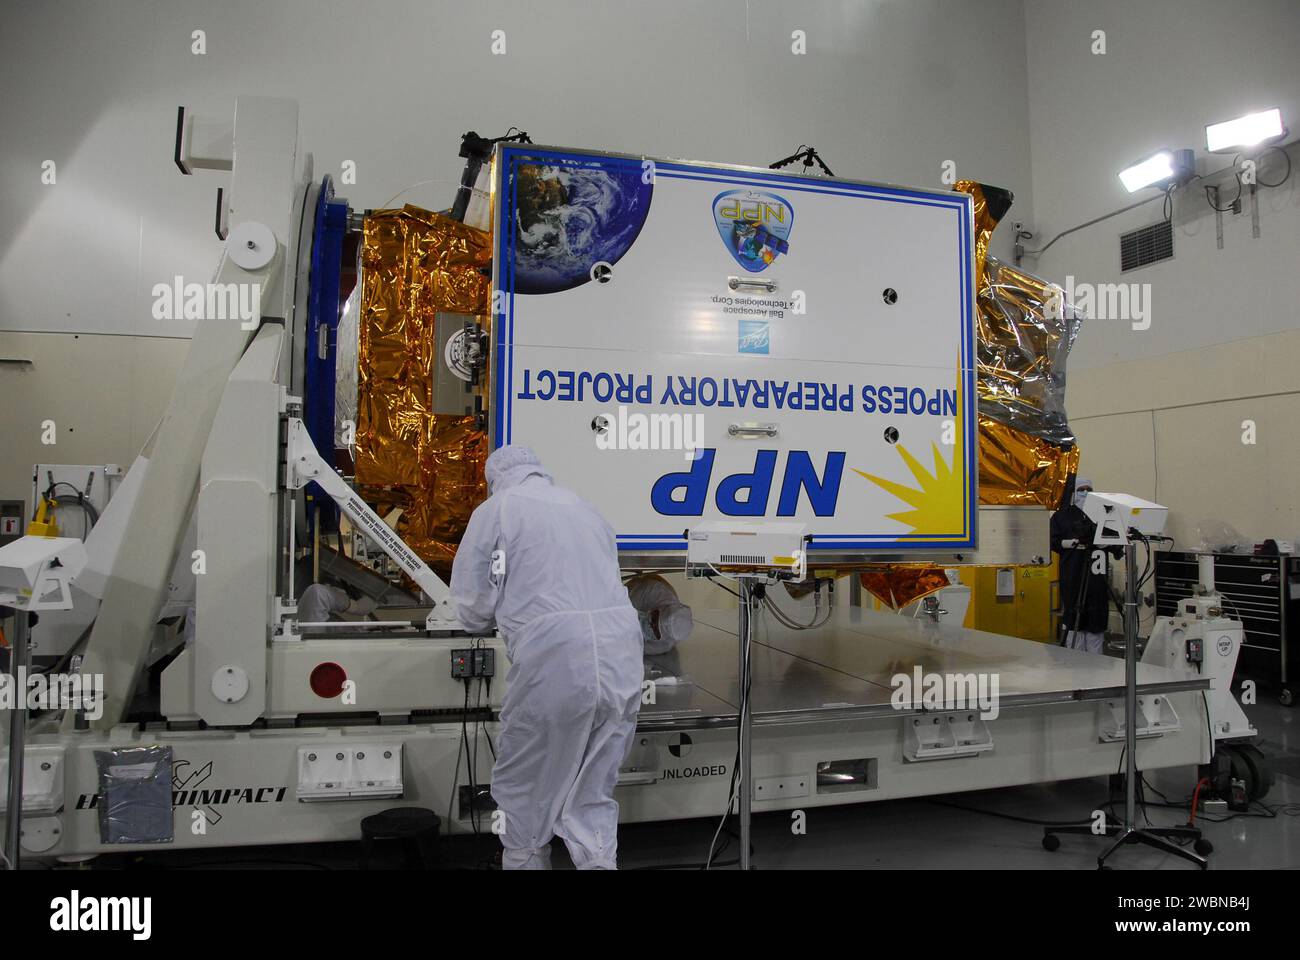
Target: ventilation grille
pixel 743 558
pixel 1146 245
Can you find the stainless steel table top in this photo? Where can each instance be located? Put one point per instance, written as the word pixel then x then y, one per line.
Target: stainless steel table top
pixel 844 670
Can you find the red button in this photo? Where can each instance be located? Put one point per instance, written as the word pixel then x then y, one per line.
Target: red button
pixel 327 680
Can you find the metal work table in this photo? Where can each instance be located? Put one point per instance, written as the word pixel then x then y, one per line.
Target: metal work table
pixel 843 669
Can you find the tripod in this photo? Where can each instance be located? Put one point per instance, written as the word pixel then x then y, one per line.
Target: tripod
pixel 1079 594
pixel 1128 831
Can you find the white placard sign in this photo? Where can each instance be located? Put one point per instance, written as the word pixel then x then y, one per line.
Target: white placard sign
pixel 684 341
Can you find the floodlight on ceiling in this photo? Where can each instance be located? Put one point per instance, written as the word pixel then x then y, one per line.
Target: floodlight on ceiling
pixel 1252 130
pixel 1163 170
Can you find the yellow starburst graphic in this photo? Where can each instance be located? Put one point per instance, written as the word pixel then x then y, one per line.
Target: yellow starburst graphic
pixel 939 500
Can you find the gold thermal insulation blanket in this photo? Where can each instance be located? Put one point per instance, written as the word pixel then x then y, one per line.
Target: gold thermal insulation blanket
pixel 1027 450
pixel 898 584
pixel 1024 334
pixel 415 265
pixel 1020 469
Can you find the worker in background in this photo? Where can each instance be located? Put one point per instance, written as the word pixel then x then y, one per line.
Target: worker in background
pixel 665 620
pixel 322 602
pixel 319 603
pixel 541 564
pixel 1085 583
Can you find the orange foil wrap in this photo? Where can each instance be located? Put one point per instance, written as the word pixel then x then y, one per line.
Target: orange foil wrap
pixel 1019 469
pixel 898 584
pixel 985 221
pixel 416 264
pixel 1027 450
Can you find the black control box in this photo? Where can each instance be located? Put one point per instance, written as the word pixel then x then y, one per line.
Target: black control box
pixel 473 662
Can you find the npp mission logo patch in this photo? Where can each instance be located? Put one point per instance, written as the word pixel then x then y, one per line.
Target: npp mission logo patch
pixel 754 226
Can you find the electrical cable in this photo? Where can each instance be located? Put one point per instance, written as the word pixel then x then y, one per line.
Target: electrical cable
pixel 1233 206
pixel 1236 175
pixel 1235 609
pixel 740 727
pixel 1008 816
pixel 779 615
pixel 786 620
pixel 81 500
pixel 1270 813
pixel 1148 568
pixel 1285 177
pixel 727 837
pixel 419 183
pixel 491 746
pixel 1230 207
pixel 451 794
pixel 1140 796
pixel 1065 233
pixel 1196 799
pixel 478 722
pixel 68 654
pixel 464 736
pixel 1149 786
pixel 816 624
pixel 1166 197
pixel 76 492
pixel 722 587
pixel 714 850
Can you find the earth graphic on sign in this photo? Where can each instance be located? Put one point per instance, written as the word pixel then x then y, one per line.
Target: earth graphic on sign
pixel 569 217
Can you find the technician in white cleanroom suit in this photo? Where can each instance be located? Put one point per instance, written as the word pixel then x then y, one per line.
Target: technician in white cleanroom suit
pixel 541 563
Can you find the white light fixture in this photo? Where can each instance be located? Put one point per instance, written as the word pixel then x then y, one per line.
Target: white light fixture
pixel 1248 131
pixel 1160 170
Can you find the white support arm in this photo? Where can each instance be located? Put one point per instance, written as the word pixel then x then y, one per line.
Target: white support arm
pixel 33 568
pixel 306 465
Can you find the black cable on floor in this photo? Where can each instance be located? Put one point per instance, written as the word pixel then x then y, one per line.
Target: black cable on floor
pixel 1009 816
pixel 464 736
pixel 451 794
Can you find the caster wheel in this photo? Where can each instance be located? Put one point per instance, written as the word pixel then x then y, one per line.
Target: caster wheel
pixel 1051 842
pixel 1241 769
pixel 1251 767
pixel 1204 847
pixel 1261 771
pixel 1286 699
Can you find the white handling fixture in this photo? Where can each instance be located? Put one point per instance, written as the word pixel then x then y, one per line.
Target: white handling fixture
pixel 36 573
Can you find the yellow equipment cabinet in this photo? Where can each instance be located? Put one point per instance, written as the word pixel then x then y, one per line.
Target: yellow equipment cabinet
pixel 1014 601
